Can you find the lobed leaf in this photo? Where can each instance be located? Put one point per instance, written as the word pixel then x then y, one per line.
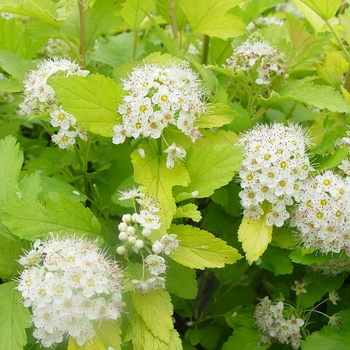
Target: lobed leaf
pixel 199 249
pixel 133 12
pixel 155 309
pixel 32 220
pixel 219 114
pixel 210 167
pixel 93 100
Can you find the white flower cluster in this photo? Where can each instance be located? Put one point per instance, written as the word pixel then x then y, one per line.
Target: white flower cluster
pixel 69 285
pixel 257 54
pixel 271 322
pixel 322 215
pixel 159 96
pixel 274 163
pixel 39 97
pixel 134 231
pixel 264 21
pixel 332 267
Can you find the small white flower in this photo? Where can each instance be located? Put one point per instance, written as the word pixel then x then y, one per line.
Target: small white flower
pixel 156 264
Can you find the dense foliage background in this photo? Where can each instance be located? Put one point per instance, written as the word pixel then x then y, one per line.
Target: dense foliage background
pixel 211 242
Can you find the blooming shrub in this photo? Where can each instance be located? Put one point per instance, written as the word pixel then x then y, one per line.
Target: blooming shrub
pixel 175 174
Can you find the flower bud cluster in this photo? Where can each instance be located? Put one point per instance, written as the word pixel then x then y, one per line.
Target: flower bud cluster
pixel 39 97
pixel 159 96
pixel 322 215
pixel 70 286
pixel 332 267
pixel 274 163
pixel 273 324
pixel 135 230
pixel 258 55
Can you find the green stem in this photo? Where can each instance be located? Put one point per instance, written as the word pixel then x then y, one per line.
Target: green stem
pixel 82 19
pixel 173 18
pixel 205 51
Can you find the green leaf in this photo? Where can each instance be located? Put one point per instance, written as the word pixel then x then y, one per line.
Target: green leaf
pixel 316 287
pixel 320 96
pixel 32 220
pixel 188 210
pixel 300 257
pixel 133 12
pixel 330 338
pixel 255 236
pixel 30 187
pixel 324 8
pixel 158 180
pixel 101 18
pixel 211 17
pixel 14 318
pixel 333 160
pixel 12 159
pixel 277 261
pixel 219 114
pixel 155 309
pixel 107 336
pixel 199 249
pixel 144 339
pixel 93 100
pixel 210 167
pixel 15 65
pixel 244 339
pixel 53 184
pixel 42 10
pixel 181 280
pixel 10 250
pixel 164 8
pixel 252 9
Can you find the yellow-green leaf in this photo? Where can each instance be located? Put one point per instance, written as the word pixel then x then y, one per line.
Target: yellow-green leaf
pixel 324 8
pixel 93 100
pixel 211 17
pixel 107 336
pixel 188 210
pixel 200 249
pixel 255 236
pixel 219 114
pixel 158 180
pixel 156 311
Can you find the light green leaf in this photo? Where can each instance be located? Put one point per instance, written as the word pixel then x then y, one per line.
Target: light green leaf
pixel 10 250
pixel 32 220
pixel 300 257
pixel 30 187
pixel 334 159
pixel 165 10
pixel 107 335
pixel 255 236
pixel 42 10
pixel 252 9
pixel 156 310
pixel 188 210
pixel 11 159
pixel 210 167
pixel 211 17
pixel 219 114
pixel 15 65
pixel 199 249
pixel 330 338
pixel 181 280
pixel 14 318
pixel 133 12
pixel 101 18
pixel 158 180
pixel 320 96
pixel 93 100
pixel 324 8
pixel 53 184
